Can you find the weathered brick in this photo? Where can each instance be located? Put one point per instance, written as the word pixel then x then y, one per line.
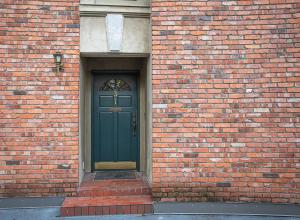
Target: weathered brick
pixel 35 134
pixel 167 32
pixel 235 65
pixel 63 166
pixel 19 92
pixel 270 175
pixel 72 25
pixel 12 162
pixel 224 184
pixel 225 100
pixel 190 155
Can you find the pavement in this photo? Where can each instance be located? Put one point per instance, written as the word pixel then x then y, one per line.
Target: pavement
pixel 48 209
pixel 223 208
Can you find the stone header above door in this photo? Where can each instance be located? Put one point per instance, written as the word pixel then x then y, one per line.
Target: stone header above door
pixel 113 28
pixel 138 3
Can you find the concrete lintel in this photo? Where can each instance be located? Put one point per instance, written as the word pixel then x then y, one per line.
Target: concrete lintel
pixel 103 10
pixel 133 3
pixel 84 54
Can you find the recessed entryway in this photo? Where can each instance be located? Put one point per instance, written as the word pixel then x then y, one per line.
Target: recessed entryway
pixel 115 114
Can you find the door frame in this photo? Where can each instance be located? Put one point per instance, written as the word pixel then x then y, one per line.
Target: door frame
pixel 125 72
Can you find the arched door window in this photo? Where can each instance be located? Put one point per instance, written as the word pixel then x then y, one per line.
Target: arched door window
pixel 115 85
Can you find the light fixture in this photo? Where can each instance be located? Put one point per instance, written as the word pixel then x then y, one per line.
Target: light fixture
pixel 58 61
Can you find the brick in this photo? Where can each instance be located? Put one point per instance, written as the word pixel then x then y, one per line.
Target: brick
pixel 140 209
pixel 270 175
pixel 92 210
pixel 261 110
pixel 85 211
pixel 113 210
pixel 175 67
pixel 99 211
pixel 204 18
pixel 120 210
pixel 238 144
pixel 167 32
pixel 126 210
pixel 224 184
pixel 72 25
pixel 64 211
pixel 190 155
pixel 12 162
pixel 175 115
pixel 19 92
pixel 70 211
pixel 63 166
pixel 133 209
pixel 46 8
pixel 105 210
pixel 148 209
pixel 77 211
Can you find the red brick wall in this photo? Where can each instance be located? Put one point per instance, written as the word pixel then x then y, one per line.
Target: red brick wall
pixel 38 107
pixel 226 100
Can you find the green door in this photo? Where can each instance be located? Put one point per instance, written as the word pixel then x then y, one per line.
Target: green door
pixel 115 121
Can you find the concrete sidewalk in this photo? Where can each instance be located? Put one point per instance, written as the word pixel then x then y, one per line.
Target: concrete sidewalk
pixel 223 208
pixel 48 209
pixel 53 213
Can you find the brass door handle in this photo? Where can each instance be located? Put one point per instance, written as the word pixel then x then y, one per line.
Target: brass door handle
pixel 115 98
pixel 133 123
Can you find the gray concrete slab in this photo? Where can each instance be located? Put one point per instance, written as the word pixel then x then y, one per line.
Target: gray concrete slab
pixel 184 217
pixel 227 208
pixel 29 214
pixel 52 214
pixel 8 203
pixel 48 209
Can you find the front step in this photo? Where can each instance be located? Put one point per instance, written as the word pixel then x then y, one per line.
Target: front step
pixel 109 197
pixel 114 188
pixel 107 205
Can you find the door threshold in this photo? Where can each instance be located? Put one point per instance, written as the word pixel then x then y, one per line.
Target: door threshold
pixel 126 165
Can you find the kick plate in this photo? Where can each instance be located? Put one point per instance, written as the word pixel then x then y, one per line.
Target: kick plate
pixel 115 165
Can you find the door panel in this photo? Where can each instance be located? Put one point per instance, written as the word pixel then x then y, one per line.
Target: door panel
pixel 115 140
pixel 106 136
pixel 124 136
pixel 124 101
pixel 106 101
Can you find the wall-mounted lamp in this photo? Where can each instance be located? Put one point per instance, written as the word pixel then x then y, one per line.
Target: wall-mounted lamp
pixel 58 61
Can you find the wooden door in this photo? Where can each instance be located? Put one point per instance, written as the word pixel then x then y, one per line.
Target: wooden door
pixel 115 121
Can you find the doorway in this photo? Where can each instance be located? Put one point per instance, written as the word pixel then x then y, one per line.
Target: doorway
pixel 115 121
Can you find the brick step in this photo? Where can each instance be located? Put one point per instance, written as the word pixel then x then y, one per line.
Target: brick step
pixel 107 205
pixel 113 188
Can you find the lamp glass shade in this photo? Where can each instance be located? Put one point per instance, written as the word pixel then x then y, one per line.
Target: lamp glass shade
pixel 57 57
